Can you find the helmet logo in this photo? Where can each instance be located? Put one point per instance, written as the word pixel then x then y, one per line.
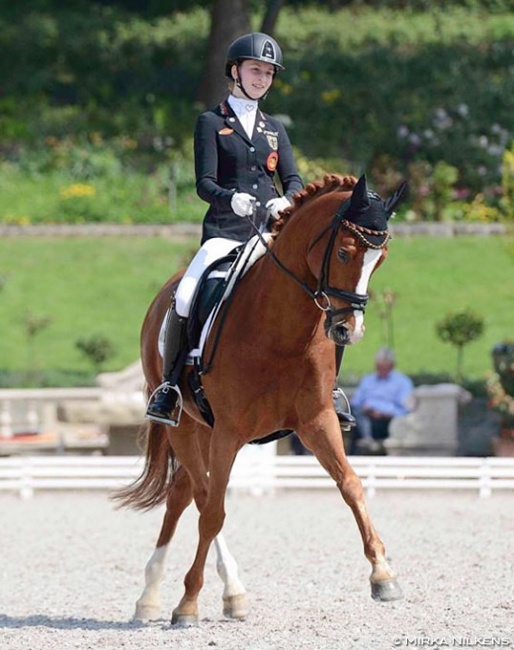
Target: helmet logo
pixel 268 51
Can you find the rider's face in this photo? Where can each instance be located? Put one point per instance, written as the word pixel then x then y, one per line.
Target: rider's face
pixel 256 78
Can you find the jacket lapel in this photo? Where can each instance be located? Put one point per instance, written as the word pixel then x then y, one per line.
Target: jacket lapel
pixel 260 125
pixel 232 121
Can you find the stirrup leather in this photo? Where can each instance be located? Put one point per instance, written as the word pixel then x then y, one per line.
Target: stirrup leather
pixel 176 413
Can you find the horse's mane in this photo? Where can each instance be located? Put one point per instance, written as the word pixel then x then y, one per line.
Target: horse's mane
pixel 330 183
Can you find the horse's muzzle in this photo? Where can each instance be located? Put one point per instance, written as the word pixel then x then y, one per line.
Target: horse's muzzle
pixel 339 333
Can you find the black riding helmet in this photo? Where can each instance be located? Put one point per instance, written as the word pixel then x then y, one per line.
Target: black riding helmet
pixel 257 46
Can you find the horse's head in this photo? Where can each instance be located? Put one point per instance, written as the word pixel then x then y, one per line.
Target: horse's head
pixel 345 255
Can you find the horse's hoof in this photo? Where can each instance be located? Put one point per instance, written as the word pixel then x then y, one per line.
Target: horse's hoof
pixel 386 591
pixel 183 620
pixel 146 613
pixel 235 606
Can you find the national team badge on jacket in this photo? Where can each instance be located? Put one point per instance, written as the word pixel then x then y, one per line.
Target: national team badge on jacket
pixel 272 139
pixel 226 131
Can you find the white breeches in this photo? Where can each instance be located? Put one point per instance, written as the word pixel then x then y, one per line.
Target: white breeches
pixel 211 251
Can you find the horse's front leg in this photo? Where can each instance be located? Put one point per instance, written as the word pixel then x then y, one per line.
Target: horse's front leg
pixel 222 454
pixel 325 441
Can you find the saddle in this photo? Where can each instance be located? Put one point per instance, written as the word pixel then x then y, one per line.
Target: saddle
pixel 207 298
pixel 211 300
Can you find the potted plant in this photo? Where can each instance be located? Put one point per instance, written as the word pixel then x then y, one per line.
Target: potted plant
pixel 500 388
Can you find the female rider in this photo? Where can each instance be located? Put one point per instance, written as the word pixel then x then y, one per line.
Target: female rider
pixel 239 151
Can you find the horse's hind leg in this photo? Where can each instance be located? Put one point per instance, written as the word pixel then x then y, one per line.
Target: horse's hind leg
pixel 212 515
pixel 180 495
pixel 328 447
pixel 148 607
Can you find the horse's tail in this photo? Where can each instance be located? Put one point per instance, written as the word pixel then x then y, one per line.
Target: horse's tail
pixel 151 488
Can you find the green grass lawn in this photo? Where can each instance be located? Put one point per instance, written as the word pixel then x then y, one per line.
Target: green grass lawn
pixel 88 286
pixel 432 277
pixel 103 286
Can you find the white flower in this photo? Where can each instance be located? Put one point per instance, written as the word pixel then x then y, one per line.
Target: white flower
pixel 463 110
pixel 495 150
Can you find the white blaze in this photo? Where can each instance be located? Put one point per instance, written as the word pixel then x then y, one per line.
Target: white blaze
pixel 371 257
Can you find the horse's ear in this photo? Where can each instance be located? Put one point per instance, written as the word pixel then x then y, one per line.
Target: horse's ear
pixel 359 200
pixel 391 203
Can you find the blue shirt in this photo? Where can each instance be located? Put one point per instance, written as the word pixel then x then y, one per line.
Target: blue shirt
pixel 388 395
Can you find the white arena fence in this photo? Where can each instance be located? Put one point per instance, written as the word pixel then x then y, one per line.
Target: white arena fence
pixel 263 473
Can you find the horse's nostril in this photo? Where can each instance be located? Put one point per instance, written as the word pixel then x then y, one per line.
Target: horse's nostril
pixel 340 334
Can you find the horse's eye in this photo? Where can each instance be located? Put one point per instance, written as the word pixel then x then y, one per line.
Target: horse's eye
pixel 343 255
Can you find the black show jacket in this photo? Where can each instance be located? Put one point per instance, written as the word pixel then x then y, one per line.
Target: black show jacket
pixel 228 161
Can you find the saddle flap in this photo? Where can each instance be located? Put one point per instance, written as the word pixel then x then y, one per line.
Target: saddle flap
pixel 209 292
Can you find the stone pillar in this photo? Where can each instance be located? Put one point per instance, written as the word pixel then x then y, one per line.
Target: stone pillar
pixel 432 428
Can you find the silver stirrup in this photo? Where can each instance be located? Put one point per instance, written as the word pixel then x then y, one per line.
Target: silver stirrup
pixel 339 392
pixel 172 422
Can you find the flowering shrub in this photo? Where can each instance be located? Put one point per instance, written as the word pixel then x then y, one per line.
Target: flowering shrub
pixel 479 210
pixel 77 203
pixel 77 190
pixel 500 386
pixel 507 200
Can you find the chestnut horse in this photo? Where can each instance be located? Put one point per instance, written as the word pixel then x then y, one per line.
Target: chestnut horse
pixel 273 369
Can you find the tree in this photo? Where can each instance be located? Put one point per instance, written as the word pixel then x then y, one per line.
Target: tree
pixel 459 330
pixel 98 349
pixel 271 16
pixel 386 300
pixel 229 19
pixel 33 325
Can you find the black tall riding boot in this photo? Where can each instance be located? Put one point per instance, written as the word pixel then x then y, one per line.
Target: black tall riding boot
pixel 343 411
pixel 163 400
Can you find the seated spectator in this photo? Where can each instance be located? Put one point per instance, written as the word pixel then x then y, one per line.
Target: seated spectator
pixel 380 396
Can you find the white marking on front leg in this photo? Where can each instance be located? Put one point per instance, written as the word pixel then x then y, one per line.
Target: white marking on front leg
pixel 381 571
pixel 235 602
pixel 148 607
pixel 227 569
pixel 371 257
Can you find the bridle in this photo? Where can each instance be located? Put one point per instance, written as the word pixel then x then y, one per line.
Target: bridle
pixel 321 296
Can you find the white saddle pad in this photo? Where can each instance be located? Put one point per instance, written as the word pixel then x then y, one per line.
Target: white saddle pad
pixel 254 249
